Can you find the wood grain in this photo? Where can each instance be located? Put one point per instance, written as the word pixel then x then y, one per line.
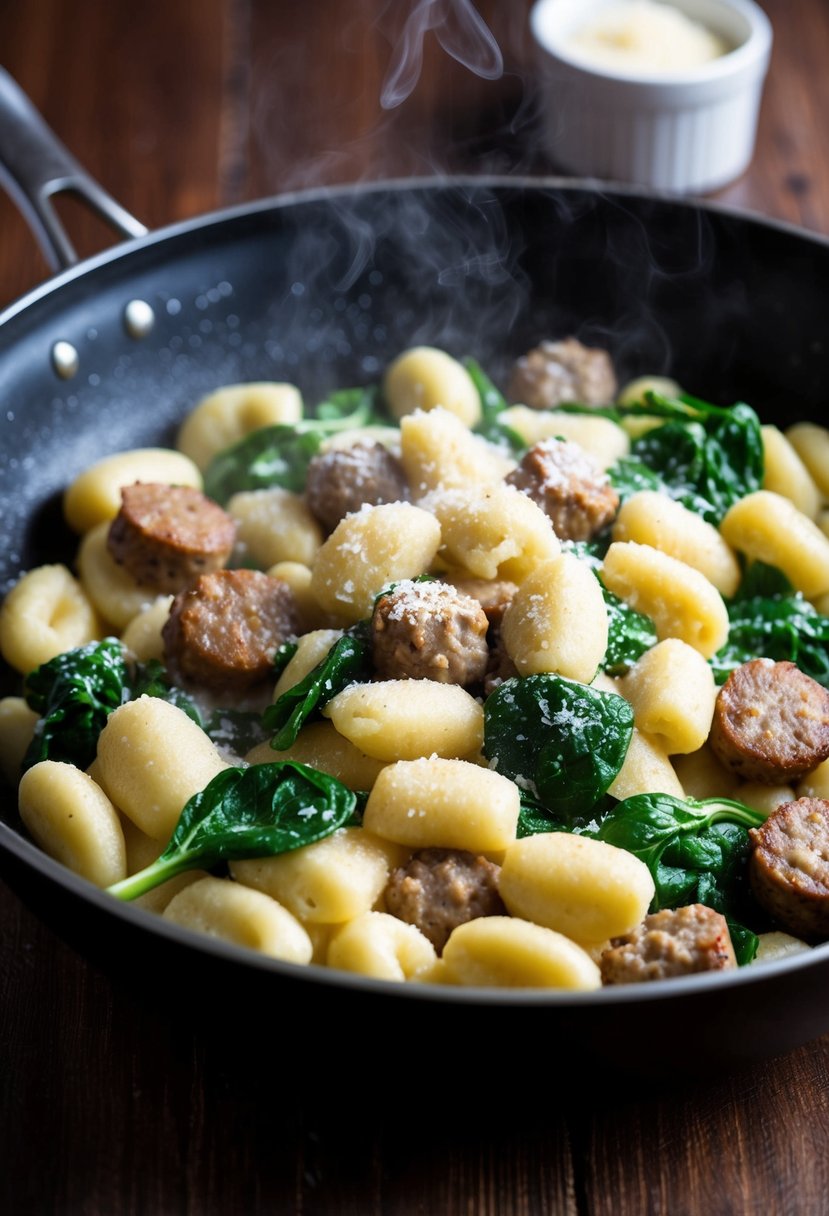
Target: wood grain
pixel 177 107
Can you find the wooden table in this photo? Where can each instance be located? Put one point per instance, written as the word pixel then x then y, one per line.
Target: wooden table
pixel 183 106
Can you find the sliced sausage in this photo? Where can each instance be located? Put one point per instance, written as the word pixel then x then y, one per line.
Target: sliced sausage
pixel 557 372
pixel 224 630
pixel 439 889
pixel 166 536
pixel 789 867
pixel 771 722
pixel 429 631
pixel 342 480
pixel 493 594
pixel 569 487
pixel 675 941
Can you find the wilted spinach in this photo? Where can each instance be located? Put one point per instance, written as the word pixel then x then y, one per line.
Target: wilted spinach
pixel 534 818
pixel 696 853
pixel 628 476
pixel 629 635
pixel 74 693
pixel 150 679
pixel 779 627
pixel 257 811
pixel 560 741
pixel 236 730
pixel 282 657
pixel 705 456
pixel 493 404
pixel 347 662
pixel 280 455
pixel 762 580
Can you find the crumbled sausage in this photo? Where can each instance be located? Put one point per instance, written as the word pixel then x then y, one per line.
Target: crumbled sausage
pixel 789 867
pixel 166 536
pixel 558 372
pixel 493 594
pixel 771 722
pixel 429 631
pixel 678 941
pixel 224 630
pixel 439 889
pixel 569 487
pixel 342 480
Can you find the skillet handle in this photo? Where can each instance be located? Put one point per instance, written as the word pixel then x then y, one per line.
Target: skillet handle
pixel 35 165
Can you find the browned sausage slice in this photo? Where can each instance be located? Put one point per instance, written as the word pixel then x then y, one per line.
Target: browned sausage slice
pixel 342 480
pixel 439 889
pixel 166 536
pixel 429 631
pixel 569 487
pixel 223 632
pixel 677 941
pixel 556 372
pixel 771 722
pixel 789 867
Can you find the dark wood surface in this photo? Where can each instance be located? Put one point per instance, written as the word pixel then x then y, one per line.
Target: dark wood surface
pixel 179 107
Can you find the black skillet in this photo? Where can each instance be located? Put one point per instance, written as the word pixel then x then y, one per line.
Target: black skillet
pixel 321 289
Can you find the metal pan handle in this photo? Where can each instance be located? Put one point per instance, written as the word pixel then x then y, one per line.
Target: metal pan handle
pixel 35 165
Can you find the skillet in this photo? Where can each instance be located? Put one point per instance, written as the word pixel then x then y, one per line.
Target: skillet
pixel 322 288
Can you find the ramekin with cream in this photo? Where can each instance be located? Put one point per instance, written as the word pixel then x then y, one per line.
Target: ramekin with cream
pixel 659 93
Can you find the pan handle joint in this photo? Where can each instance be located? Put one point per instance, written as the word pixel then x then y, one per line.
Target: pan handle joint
pixel 35 166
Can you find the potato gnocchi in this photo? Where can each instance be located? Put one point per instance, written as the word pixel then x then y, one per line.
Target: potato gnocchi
pixel 415 728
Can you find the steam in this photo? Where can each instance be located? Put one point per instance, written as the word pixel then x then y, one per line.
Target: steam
pixel 461 32
pixel 477 270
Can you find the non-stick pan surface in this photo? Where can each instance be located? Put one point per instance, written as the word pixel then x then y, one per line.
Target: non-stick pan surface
pixel 322 289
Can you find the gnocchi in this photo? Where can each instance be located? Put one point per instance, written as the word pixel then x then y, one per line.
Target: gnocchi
pixel 427 807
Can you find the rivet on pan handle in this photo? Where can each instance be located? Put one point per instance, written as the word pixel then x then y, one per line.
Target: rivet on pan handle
pixel 35 165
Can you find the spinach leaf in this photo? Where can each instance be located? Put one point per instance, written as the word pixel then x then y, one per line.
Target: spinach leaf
pixel 704 455
pixel 629 475
pixel 279 455
pixel 590 551
pixel 779 627
pixel 561 741
pixel 151 680
pixel 236 730
pixel 629 635
pixel 534 818
pixel 342 404
pixel 744 940
pixel 347 662
pixel 696 853
pixel 646 824
pixel 283 656
pixel 355 819
pixel 493 404
pixel 764 581
pixel 74 693
pixel 257 811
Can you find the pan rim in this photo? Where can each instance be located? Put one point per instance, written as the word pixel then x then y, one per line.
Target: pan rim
pixel 12 842
pixel 654 991
pixel 218 217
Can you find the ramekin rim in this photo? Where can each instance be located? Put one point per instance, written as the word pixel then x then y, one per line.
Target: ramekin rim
pixel 755 48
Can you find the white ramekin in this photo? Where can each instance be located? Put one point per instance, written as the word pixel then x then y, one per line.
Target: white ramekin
pixel 680 132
